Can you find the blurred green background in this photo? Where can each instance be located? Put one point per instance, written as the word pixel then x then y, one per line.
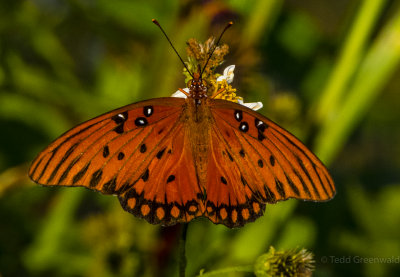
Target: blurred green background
pixel 326 70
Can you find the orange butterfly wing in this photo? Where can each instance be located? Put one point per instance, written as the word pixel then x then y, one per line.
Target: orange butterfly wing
pixel 137 151
pixel 254 161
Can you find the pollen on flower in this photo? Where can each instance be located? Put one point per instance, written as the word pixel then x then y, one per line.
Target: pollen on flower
pixel 226 91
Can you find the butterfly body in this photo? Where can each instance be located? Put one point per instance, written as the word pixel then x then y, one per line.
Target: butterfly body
pixel 198 122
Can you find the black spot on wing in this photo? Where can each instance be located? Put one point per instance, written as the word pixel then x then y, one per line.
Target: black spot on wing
pixel 238 115
pixel 170 178
pixel 260 125
pixel 121 155
pixel 145 175
pixel 148 110
pixel 119 129
pixel 120 118
pixel 272 160
pixel 244 126
pixel 106 151
pixel 96 177
pixel 160 153
pixel 223 180
pixel 141 122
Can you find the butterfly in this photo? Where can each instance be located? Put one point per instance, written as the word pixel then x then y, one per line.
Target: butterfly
pixel 172 159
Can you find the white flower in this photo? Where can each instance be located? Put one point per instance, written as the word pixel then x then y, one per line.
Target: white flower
pixel 252 105
pixel 228 76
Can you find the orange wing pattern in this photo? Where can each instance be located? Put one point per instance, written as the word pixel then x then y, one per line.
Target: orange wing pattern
pixel 137 151
pixel 253 162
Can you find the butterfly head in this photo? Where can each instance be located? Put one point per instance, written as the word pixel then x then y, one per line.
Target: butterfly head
pixel 197 86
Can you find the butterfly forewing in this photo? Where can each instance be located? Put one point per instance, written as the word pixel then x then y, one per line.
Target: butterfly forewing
pixel 98 153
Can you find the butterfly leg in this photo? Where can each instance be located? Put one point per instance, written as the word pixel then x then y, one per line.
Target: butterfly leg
pixel 184 92
pixel 218 93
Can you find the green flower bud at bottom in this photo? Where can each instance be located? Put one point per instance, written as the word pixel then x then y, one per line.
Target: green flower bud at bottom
pixel 291 263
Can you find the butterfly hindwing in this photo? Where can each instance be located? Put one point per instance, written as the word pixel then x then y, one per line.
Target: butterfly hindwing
pixel 230 199
pixel 168 191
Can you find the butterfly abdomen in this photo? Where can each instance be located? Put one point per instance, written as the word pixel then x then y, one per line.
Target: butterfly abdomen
pixel 198 131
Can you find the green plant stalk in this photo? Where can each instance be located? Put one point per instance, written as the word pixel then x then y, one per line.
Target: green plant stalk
pixel 182 251
pixel 245 268
pixel 349 59
pixel 378 66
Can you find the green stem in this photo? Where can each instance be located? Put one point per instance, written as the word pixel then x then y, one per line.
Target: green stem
pixel 182 251
pixel 381 61
pixel 349 58
pixel 244 268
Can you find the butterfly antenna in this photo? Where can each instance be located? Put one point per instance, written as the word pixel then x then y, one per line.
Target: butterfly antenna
pixel 215 46
pixel 162 30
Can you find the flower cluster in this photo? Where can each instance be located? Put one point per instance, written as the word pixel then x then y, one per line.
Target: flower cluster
pixel 219 86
